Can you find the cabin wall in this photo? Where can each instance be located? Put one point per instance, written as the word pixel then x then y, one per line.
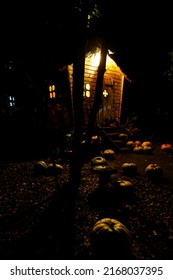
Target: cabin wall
pixel 113 83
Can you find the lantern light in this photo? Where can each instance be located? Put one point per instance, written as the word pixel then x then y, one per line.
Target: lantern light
pixel 105 93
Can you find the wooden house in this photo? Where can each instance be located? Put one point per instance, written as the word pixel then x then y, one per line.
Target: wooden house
pixel 112 87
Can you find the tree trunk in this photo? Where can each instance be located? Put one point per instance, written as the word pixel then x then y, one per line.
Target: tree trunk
pixel 98 95
pixel 78 87
pixel 76 160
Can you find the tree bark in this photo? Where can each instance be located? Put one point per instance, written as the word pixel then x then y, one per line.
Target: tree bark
pixel 76 160
pixel 78 87
pixel 98 95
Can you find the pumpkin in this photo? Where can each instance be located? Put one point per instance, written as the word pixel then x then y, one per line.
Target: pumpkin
pixel 124 184
pixel 130 144
pixel 54 169
pixel 146 143
pixel 68 135
pixel 138 149
pixel 98 161
pixel 147 149
pixel 94 138
pixel 111 237
pixel 124 187
pixel 137 143
pixel 129 168
pixel 123 136
pixel 40 168
pixel 166 147
pixel 95 147
pixel 109 154
pixel 154 171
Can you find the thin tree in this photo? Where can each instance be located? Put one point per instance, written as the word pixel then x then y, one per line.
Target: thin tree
pixel 76 160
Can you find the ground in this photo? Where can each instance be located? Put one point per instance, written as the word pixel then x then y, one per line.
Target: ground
pixel 35 219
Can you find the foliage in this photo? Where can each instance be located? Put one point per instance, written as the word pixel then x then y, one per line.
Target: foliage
pixel 127 127
pixel 169 73
pixel 93 11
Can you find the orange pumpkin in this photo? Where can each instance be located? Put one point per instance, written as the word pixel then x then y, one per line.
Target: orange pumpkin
pixel 95 139
pixel 109 154
pixel 154 171
pixel 130 144
pixel 166 147
pixel 146 143
pixel 123 136
pixel 137 143
pixel 147 149
pixel 138 149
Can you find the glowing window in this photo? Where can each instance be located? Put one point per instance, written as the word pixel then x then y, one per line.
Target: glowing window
pixel 87 93
pixel 87 86
pixel 52 92
pixel 12 102
pixel 87 90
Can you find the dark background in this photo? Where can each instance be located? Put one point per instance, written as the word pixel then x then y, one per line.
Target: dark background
pixel 42 38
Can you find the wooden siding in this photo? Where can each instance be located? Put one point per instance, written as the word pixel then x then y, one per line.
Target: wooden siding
pixel 113 83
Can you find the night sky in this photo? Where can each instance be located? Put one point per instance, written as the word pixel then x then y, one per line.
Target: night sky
pixel 42 38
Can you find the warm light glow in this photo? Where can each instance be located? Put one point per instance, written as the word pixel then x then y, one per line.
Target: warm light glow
pixel 96 58
pixel 87 93
pixel 52 93
pixel 87 86
pixel 52 88
pixel 105 93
